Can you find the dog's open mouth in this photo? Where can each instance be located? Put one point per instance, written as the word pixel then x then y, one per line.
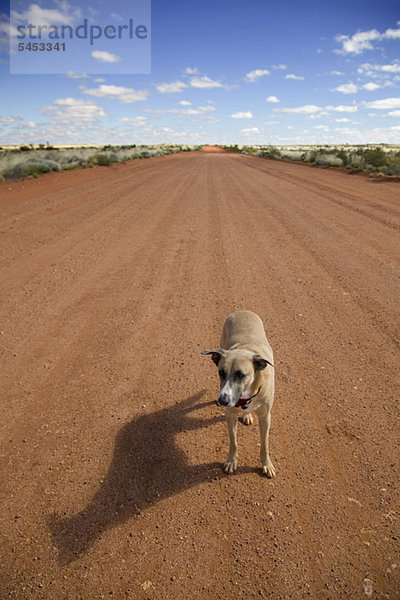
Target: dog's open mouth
pixel 244 402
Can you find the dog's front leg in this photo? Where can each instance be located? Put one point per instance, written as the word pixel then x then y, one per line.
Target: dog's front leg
pixel 231 415
pixel 264 420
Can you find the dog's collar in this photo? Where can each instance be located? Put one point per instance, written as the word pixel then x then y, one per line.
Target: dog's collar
pixel 244 402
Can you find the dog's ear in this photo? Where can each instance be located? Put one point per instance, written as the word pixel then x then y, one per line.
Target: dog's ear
pixel 260 363
pixel 216 354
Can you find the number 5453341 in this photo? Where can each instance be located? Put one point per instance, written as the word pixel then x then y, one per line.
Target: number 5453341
pixel 41 47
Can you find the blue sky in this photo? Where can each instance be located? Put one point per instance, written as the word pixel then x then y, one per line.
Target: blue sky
pixel 223 71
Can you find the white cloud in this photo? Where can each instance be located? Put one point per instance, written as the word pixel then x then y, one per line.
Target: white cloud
pixel 7 119
pixel 200 110
pixel 343 120
pixel 242 115
pixel 256 74
pixel 368 68
pixel 73 110
pixel 116 92
pixel 295 77
pixel 371 86
pixel 394 113
pixel 307 109
pixel 312 110
pixel 107 57
pixel 185 103
pixel 357 43
pixel 205 82
pixel 99 79
pixel 370 136
pixel 343 108
pixel 280 67
pixel 392 34
pixel 346 88
pixel 73 75
pixel 250 130
pixel 337 73
pixel 384 103
pixel 191 71
pixel 171 88
pixel 273 99
pixel 36 15
pixel 364 40
pixel 116 16
pixel 134 121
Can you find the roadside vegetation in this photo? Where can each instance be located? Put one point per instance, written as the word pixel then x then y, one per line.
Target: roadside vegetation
pixel 32 161
pixel 383 158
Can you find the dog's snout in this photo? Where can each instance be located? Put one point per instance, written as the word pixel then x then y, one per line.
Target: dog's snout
pixel 223 399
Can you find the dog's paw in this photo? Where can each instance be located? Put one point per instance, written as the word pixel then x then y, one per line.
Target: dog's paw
pixel 247 419
pixel 268 470
pixel 230 466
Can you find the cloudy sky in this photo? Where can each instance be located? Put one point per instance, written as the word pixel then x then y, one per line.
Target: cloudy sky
pixel 222 71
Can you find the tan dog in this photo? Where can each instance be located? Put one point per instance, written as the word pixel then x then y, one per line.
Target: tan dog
pixel 246 374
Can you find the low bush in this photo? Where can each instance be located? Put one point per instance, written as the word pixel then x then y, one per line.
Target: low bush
pixel 31 166
pixel 329 160
pixel 344 156
pixel 375 157
pixel 103 160
pixel 392 166
pixel 269 152
pixel 71 166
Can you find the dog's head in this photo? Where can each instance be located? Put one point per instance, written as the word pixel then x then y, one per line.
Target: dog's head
pixel 239 373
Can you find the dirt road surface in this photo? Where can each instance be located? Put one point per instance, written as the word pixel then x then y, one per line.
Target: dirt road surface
pixel 113 281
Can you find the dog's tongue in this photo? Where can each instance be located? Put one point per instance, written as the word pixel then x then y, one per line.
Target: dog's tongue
pixel 242 401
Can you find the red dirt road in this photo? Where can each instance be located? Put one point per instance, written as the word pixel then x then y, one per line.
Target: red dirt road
pixel 113 281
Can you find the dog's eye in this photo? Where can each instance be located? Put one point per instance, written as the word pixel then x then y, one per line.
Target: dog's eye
pixel 222 373
pixel 239 375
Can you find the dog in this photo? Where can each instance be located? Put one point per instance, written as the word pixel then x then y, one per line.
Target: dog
pixel 246 372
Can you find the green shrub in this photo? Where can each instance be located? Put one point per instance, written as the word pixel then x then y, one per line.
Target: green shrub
pixel 329 160
pixel 269 152
pixel 375 157
pixel 392 166
pixel 24 148
pixel 310 157
pixel 2 179
pixel 32 166
pixel 103 160
pixel 71 166
pixel 344 156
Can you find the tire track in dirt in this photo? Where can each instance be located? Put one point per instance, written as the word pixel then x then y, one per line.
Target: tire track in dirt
pixel 364 261
pixel 348 191
pixel 85 288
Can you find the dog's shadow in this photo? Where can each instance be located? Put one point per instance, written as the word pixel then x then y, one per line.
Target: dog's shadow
pixel 147 467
